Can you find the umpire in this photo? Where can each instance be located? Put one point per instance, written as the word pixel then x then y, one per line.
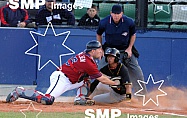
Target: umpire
pixel 120 33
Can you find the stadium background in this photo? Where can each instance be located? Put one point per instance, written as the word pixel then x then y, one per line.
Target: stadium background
pixel 161 41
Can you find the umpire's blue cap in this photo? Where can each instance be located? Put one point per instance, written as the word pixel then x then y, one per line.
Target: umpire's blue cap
pixel 116 9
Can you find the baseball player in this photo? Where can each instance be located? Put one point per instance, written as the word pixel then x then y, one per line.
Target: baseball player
pixel 71 76
pixel 120 33
pixel 103 93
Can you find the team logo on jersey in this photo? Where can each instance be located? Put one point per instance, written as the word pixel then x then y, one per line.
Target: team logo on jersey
pixel 124 33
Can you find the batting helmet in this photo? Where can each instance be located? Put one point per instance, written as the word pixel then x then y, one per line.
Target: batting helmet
pixel 92 45
pixel 114 52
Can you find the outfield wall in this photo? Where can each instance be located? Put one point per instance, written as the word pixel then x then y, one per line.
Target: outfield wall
pixel 162 54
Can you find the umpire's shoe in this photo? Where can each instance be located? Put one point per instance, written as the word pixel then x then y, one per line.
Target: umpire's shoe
pixel 13 96
pixel 84 102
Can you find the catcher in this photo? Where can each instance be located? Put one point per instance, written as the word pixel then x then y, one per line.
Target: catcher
pixel 103 93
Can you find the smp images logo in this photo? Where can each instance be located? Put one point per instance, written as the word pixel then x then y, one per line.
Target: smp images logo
pixel 99 113
pixel 28 4
pixel 35 4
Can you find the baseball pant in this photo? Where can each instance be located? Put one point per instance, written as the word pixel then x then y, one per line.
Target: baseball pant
pixel 105 94
pixel 59 84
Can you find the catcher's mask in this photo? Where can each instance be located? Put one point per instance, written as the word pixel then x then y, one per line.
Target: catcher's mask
pixel 92 45
pixel 114 52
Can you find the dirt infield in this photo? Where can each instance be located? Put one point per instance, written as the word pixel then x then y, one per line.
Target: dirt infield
pixel 174 103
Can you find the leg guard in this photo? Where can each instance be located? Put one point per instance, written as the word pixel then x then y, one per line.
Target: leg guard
pixel 30 95
pixel 13 96
pixel 81 98
pixel 82 92
pixel 47 99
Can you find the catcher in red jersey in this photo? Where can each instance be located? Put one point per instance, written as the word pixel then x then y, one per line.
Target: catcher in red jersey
pixel 72 75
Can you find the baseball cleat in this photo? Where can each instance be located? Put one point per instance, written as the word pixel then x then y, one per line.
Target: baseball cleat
pixel 84 102
pixel 13 96
pixel 47 100
pixel 90 102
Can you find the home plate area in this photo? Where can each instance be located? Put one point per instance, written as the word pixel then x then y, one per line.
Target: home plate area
pixel 174 104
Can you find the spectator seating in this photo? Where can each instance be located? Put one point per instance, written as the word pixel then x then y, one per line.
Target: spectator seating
pixel 175 26
pixel 129 10
pixel 180 0
pixel 179 13
pixel 3 3
pixel 159 13
pixel 79 13
pixel 162 0
pixel 104 9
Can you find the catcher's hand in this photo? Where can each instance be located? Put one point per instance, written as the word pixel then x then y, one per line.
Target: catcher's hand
pixel 117 81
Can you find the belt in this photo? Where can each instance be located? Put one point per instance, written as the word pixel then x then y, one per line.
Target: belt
pixel 68 78
pixel 119 47
pixel 63 73
pixel 66 75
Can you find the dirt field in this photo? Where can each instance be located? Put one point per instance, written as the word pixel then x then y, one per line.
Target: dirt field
pixel 174 103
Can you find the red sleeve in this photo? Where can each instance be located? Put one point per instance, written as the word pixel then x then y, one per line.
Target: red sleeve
pixel 3 15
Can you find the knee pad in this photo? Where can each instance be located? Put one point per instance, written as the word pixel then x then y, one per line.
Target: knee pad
pixel 19 90
pixel 47 99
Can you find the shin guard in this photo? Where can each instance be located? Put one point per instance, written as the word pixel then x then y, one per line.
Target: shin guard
pixel 30 95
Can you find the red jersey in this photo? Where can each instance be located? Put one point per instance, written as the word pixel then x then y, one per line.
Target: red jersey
pixel 82 63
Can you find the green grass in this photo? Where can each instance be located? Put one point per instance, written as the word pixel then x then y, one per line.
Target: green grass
pixel 69 115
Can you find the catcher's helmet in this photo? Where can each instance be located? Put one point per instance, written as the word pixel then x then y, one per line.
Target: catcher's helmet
pixel 92 45
pixel 114 52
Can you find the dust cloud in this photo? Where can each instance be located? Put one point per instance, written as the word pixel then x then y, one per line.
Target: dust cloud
pixel 176 99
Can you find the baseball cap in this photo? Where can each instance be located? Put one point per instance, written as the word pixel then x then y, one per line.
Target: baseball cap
pixel 116 9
